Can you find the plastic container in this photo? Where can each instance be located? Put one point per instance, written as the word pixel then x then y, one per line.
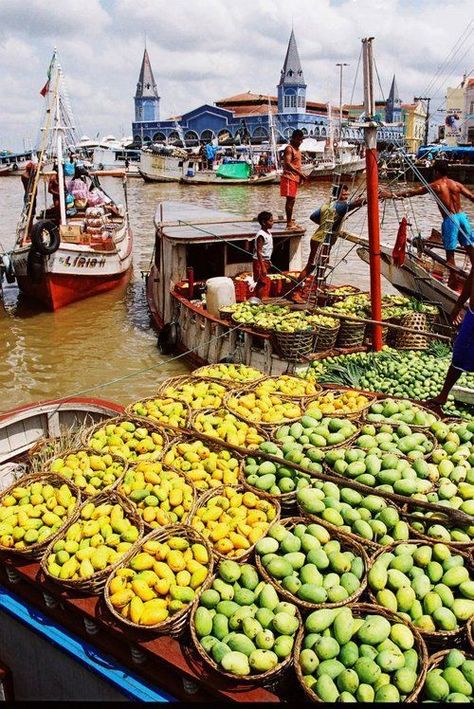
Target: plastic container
pixel 220 292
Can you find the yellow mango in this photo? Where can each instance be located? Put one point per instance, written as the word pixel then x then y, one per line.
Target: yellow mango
pixel 183 578
pixel 86 570
pixel 153 615
pixel 142 589
pixel 224 546
pixel 200 553
pixel 221 531
pixel 121 598
pixel 117 584
pixel 255 535
pixel 198 577
pixel 162 586
pixel 178 543
pixel 239 541
pixel 163 571
pixel 149 514
pixel 152 546
pixel 99 559
pixel 142 561
pixel 136 609
pixel 68 569
pixel 125 573
pixel 175 560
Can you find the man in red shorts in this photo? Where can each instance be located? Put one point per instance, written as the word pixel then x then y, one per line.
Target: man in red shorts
pixel 292 175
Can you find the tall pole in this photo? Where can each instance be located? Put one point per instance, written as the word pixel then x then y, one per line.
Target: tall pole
pixel 370 136
pixel 340 65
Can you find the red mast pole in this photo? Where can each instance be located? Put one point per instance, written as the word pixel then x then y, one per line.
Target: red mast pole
pixel 370 136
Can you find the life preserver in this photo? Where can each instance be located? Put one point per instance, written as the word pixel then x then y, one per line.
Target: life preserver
pixel 35 266
pixel 7 268
pixel 168 338
pixel 45 237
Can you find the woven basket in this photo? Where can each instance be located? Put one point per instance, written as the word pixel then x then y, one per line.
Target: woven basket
pixel 215 447
pixel 391 338
pixel 299 398
pixel 353 415
pixel 176 624
pixel 470 633
pixel 435 661
pixel 177 382
pixel 294 346
pixel 263 424
pixel 333 297
pixel 94 584
pixel 271 677
pixel 426 433
pixel 325 337
pixel 415 534
pixel 225 313
pixel 348 545
pixel 209 494
pixel 203 373
pixel 130 412
pixel 409 340
pixel 344 444
pixel 149 526
pixel 351 334
pixel 139 422
pixel 361 610
pixel 217 412
pixel 414 427
pixel 116 459
pixel 437 638
pixel 36 551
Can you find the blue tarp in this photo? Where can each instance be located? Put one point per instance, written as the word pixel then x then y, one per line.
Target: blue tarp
pixel 451 150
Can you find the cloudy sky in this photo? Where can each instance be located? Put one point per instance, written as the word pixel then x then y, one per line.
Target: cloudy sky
pixel 203 50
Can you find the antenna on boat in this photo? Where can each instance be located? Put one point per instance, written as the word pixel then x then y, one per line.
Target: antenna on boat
pixel 370 137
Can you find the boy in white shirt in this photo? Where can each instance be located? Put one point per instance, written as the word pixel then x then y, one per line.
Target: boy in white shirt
pixel 262 255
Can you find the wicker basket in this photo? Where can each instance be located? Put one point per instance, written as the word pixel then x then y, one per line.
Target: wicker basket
pixel 325 337
pixel 294 346
pixel 299 398
pixel 225 313
pixel 177 382
pixel 202 372
pixel 209 494
pixel 116 459
pixel 435 661
pixel 470 633
pixel 176 624
pixel 349 545
pixel 338 393
pixel 271 677
pixel 139 422
pixel 415 534
pixel 263 435
pixel 333 297
pixel 94 584
pixel 351 334
pixel 344 444
pixel 36 551
pixel 394 422
pixel 263 424
pixel 426 433
pixel 186 411
pixel 361 610
pixel 410 340
pixel 437 638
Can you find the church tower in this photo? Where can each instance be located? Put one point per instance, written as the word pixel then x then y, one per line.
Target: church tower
pixel 147 101
pixel 292 88
pixel 393 111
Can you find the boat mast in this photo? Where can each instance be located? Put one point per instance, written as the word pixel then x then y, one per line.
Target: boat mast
pixel 59 157
pixel 273 141
pixel 370 137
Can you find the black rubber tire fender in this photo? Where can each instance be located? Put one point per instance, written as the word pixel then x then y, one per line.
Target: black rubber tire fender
pixel 38 233
pixel 168 338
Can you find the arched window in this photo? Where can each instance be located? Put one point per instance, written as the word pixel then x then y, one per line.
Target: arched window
pixel 137 139
pixel 316 132
pixel 305 132
pixel 207 135
pixel 191 137
pixel 146 140
pixel 323 132
pixel 173 136
pixel 260 133
pixel 159 137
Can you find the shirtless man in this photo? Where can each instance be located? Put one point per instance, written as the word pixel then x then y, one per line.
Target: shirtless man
pixel 292 175
pixel 455 227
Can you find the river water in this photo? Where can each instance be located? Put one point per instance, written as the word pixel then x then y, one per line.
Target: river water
pixel 85 347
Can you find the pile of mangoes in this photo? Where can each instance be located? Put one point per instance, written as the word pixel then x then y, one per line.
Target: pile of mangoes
pixel 129 440
pixel 101 536
pixel 224 425
pixel 161 496
pixel 233 521
pixel 368 516
pixel 232 373
pixel 316 432
pixel 310 565
pixel 385 471
pixel 286 385
pixel 89 471
pixel 32 512
pixel 387 437
pixel 428 584
pixel 205 467
pixel 160 580
pixel 278 478
pixel 338 403
pixel 351 655
pixel 263 408
pixel 241 623
pixel 162 410
pixel 400 410
pixel 451 681
pixel 197 393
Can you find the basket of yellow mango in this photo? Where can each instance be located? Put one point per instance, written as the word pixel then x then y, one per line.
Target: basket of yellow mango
pixel 154 589
pixel 233 519
pixel 348 404
pixel 206 464
pixel 262 408
pixel 226 426
pixel 162 410
pixel 287 386
pixel 197 393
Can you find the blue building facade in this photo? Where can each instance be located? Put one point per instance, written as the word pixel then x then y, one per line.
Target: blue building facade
pixel 239 117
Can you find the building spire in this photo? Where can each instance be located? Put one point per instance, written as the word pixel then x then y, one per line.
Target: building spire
pixel 292 73
pixel 394 96
pixel 146 86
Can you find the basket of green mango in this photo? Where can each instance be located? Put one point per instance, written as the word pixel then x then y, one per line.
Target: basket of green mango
pixel 429 584
pixel 401 411
pixel 449 678
pixel 361 653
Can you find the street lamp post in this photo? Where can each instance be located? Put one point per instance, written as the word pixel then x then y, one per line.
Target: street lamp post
pixel 427 120
pixel 340 65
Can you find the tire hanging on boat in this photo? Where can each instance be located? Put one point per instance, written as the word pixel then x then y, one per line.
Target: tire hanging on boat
pixel 35 266
pixel 45 237
pixel 168 338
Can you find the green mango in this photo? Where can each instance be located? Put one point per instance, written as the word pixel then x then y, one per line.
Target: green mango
pixel 374 630
pixel 202 622
pixel 319 620
pixel 349 654
pixel 236 663
pixel 268 598
pixel 456 681
pixel 445 619
pixel 326 689
pixel 309 661
pixel 367 670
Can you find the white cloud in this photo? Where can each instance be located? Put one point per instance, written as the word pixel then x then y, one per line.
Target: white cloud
pixel 204 50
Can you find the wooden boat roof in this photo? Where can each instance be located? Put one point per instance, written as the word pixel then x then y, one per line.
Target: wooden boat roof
pixel 185 222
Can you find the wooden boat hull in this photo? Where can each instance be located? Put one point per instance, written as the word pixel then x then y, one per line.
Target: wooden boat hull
pixel 203 179
pixel 343 171
pixel 149 177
